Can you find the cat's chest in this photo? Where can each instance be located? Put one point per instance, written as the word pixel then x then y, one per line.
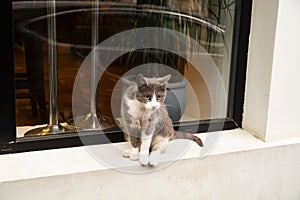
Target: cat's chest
pixel 135 108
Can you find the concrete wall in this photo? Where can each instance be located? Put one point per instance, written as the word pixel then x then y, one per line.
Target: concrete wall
pixel 268 173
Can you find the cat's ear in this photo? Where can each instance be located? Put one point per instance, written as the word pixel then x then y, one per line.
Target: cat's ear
pixel 164 80
pixel 140 80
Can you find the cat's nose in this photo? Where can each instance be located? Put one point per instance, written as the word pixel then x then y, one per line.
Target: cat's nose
pixel 155 106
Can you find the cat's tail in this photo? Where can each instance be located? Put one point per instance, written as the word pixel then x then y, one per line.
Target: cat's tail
pixel 189 136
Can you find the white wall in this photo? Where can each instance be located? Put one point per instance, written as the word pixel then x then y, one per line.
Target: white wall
pixel 269 173
pixel 284 107
pixel 260 60
pixel 272 86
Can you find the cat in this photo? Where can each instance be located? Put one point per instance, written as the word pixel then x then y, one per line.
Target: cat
pixel 147 125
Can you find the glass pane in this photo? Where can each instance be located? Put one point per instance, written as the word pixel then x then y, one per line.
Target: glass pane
pixel 74 59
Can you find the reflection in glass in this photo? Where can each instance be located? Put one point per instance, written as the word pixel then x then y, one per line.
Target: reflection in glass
pixel 82 25
pixel 53 126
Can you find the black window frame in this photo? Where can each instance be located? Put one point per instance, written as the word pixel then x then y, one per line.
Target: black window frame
pixel 9 143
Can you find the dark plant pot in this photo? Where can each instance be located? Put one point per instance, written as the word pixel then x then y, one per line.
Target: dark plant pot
pixel 176 96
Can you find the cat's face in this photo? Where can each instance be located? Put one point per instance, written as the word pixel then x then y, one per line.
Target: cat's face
pixel 151 91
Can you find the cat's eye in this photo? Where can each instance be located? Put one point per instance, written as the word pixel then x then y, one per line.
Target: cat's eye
pixel 148 97
pixel 158 97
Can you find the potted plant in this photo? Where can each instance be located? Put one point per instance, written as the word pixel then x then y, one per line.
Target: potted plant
pixel 158 13
pixel 188 17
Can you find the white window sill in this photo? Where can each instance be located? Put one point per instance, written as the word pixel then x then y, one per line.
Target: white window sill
pixel 30 165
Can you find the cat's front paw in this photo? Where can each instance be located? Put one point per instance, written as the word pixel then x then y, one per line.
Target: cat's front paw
pixel 144 159
pixel 154 158
pixel 126 153
pixel 134 156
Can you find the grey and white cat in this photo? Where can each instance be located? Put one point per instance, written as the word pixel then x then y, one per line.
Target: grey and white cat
pixel 148 127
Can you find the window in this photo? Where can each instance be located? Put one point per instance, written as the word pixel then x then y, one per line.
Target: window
pixel 53 46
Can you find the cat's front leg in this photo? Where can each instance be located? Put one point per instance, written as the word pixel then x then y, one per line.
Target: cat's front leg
pixel 159 145
pixel 145 149
pixel 133 137
pixel 134 150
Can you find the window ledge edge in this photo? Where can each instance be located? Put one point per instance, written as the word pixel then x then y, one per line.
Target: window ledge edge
pixel 56 162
